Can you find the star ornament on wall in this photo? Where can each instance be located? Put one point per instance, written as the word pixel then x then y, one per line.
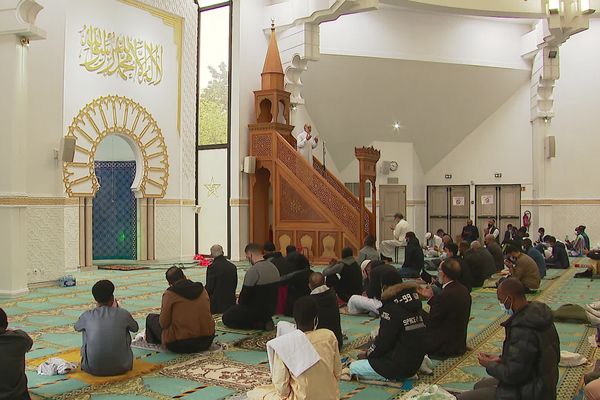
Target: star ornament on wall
pixel 212 187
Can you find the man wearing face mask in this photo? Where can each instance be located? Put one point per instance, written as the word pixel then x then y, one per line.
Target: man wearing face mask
pixel 528 366
pixel 522 267
pixel 258 298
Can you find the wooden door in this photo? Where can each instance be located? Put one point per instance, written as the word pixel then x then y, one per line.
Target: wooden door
pixel 459 200
pixel 510 205
pixel 486 206
pixel 437 208
pixel 392 200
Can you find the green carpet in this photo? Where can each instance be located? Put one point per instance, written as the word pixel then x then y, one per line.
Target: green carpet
pixel 48 315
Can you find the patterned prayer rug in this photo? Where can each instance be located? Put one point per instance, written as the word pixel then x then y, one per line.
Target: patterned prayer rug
pixel 258 342
pixel 221 371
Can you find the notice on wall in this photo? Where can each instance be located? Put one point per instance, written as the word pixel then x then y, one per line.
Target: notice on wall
pixel 458 201
pixel 487 199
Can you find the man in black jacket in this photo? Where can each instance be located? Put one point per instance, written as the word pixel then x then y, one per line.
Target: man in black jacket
pixel 495 250
pixel 14 344
pixel 350 276
pixel 480 262
pixel 277 259
pixel 528 366
pixel 221 281
pixel 470 233
pixel 559 258
pixel 413 257
pixel 449 314
pixel 296 281
pixel 399 348
pixel 258 298
pixel 329 312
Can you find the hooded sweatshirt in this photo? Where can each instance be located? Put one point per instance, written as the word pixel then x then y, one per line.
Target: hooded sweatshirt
pixel 185 312
pixel 399 348
pixel 528 368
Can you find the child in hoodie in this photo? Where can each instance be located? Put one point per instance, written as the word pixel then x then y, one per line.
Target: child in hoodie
pixel 185 323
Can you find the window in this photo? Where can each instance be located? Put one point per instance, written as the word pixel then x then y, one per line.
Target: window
pixel 213 74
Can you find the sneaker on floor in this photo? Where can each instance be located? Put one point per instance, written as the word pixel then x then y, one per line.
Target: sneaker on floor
pixel 269 325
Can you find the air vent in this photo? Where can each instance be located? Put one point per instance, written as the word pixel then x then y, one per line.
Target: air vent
pixel 392 181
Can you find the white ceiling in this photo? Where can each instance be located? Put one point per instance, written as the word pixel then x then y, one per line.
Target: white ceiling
pixel 354 101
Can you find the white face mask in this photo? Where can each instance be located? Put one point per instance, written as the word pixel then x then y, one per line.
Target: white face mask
pixel 504 309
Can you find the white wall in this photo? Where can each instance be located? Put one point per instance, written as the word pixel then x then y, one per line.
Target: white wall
pixel 418 35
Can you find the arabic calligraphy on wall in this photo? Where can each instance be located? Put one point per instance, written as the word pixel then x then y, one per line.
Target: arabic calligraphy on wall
pixel 109 53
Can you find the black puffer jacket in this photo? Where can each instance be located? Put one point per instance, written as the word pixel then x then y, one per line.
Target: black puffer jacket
pixel 530 356
pixel 399 348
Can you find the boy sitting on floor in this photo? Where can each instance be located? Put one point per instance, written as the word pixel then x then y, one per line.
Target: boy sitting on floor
pixel 106 345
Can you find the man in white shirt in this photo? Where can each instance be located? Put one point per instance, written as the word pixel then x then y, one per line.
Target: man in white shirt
pixel 305 143
pixel 388 247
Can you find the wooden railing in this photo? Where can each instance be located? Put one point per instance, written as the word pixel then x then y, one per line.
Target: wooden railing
pixel 346 193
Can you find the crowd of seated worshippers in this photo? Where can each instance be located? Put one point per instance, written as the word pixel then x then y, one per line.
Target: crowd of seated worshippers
pixel 405 336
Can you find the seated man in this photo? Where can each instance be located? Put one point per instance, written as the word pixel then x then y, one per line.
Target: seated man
pixel 577 247
pixel 296 281
pixel 106 345
pixel 185 324
pixel 350 276
pixel 399 229
pixel 368 252
pixel 414 259
pixel 318 381
pixel 399 348
pixel 470 232
pixel 528 366
pixel 329 312
pixel 559 258
pixel 586 238
pixel 495 250
pixel 448 317
pixel 522 267
pixel 535 255
pixel 13 346
pixel 258 298
pixel 221 281
pixel 371 303
pixel 277 258
pixel 509 234
pixel 480 262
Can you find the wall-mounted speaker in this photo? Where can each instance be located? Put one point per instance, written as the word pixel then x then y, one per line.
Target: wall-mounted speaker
pixel 249 164
pixel 68 148
pixel 550 146
pixel 385 167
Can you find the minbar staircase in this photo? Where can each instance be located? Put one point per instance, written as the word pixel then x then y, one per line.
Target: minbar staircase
pixel 308 206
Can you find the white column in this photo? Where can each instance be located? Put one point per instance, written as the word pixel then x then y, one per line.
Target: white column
pixel 16 29
pixel 13 134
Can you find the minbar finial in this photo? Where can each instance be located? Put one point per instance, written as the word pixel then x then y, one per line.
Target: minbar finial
pixel 272 24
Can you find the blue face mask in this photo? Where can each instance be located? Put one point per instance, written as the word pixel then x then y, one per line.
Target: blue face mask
pixel 504 309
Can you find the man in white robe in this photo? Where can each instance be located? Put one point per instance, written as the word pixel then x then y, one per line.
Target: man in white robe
pixel 305 143
pixel 388 247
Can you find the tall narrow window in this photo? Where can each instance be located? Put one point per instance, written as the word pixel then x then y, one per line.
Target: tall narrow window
pixel 213 102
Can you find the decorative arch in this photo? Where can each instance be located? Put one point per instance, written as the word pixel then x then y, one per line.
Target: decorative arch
pixel 117 115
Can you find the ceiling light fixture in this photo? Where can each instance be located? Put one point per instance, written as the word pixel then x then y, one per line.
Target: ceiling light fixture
pixel 396 125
